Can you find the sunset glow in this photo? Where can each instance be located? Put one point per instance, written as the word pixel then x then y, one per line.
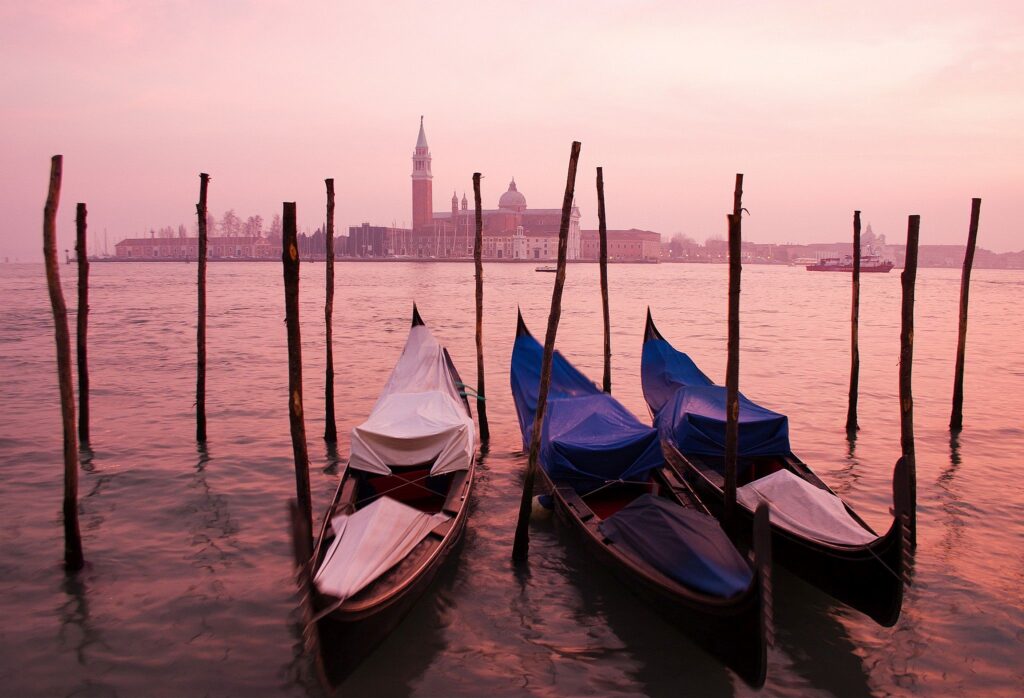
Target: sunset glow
pixel 912 109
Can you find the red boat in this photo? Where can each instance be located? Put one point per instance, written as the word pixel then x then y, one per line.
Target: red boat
pixel 868 263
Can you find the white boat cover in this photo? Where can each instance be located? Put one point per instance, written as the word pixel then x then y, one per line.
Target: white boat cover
pixel 800 507
pixel 418 417
pixel 370 542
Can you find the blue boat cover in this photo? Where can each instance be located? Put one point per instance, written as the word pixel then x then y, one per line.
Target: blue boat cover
pixel 690 410
pixel 685 545
pixel 663 370
pixel 588 437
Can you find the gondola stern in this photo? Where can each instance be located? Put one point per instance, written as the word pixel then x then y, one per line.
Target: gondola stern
pixel 650 330
pixel 521 329
pixel 416 319
pixel 903 513
pixel 762 539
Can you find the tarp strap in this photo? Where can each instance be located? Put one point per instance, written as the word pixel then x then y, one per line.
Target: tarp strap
pixel 609 483
pixel 415 482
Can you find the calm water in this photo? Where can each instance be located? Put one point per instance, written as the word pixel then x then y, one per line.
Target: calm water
pixel 189 589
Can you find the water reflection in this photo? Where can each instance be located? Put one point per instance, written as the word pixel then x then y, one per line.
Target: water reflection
pixel 210 524
pixel 845 479
pixel 809 632
pixel 413 645
pixel 332 458
pixel 952 505
pixel 96 480
pixel 659 655
pixel 76 628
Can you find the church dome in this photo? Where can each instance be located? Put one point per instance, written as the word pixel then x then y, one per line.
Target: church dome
pixel 512 200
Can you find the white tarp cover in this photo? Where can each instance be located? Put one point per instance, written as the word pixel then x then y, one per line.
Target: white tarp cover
pixel 370 542
pixel 418 417
pixel 802 508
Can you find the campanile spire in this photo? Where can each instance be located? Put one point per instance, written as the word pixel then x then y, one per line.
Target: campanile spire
pixel 422 187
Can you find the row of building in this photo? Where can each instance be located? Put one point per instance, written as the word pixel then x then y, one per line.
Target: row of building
pixel 510 232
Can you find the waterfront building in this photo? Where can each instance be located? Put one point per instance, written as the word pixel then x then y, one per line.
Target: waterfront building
pixel 623 245
pixel 185 248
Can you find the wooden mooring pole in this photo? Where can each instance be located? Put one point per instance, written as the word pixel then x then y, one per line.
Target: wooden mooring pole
pixel 851 412
pixel 73 559
pixel 732 367
pixel 296 420
pixel 908 279
pixel 603 263
pixel 478 241
pixel 331 429
pixel 204 181
pixel 83 324
pixel 956 420
pixel 521 546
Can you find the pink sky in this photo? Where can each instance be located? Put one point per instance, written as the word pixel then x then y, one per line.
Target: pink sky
pixel 892 108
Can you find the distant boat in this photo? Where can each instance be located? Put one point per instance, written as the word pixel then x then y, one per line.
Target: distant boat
pixel 869 263
pixel 550 269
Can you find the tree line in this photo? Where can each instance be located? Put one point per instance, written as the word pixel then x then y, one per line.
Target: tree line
pixel 230 224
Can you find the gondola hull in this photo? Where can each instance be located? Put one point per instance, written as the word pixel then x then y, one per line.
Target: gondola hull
pixel 349 635
pixel 350 632
pixel 735 631
pixel 868 578
pixel 679 559
pixel 354 613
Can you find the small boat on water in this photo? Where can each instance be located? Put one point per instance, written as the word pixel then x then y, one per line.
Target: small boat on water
pixel 814 532
pixel 869 263
pixel 547 269
pixel 608 480
pixel 400 508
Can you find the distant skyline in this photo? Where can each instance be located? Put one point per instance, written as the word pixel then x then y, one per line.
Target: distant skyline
pixel 826 108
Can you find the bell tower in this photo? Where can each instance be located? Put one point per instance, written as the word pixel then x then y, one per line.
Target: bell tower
pixel 422 186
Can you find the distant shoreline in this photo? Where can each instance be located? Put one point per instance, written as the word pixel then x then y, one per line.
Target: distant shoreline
pixel 428 260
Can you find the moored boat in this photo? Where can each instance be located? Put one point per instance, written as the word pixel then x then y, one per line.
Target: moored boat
pixel 400 508
pixel 869 264
pixel 607 479
pixel 814 533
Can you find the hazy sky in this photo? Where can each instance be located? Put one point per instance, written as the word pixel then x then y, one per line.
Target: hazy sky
pixel 893 108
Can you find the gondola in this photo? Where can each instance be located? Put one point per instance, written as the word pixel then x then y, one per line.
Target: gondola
pixel 606 477
pixel 401 506
pixel 814 533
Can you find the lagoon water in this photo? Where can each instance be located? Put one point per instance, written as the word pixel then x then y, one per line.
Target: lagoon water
pixel 189 587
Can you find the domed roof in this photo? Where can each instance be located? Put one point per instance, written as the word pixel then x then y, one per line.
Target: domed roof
pixel 512 199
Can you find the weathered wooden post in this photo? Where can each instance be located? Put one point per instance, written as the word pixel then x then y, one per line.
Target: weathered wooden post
pixel 732 367
pixel 204 181
pixel 908 279
pixel 331 429
pixel 290 260
pixel 83 325
pixel 603 263
pixel 73 559
pixel 478 241
pixel 302 550
pixel 956 420
pixel 521 545
pixel 851 411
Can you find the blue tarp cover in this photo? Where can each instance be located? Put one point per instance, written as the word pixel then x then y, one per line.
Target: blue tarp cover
pixel 683 544
pixel 588 437
pixel 663 370
pixel 690 410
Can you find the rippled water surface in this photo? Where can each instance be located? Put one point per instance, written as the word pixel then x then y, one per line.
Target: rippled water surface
pixel 188 589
